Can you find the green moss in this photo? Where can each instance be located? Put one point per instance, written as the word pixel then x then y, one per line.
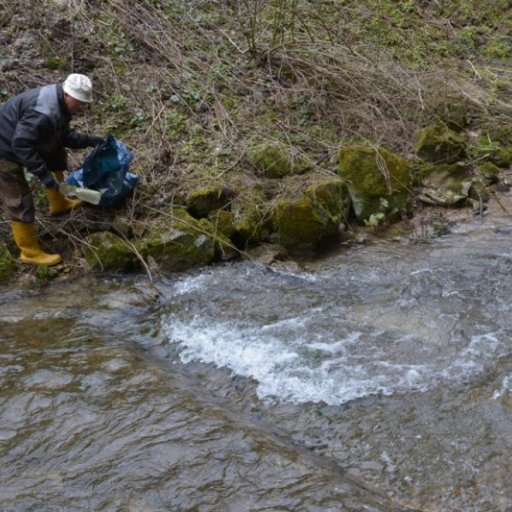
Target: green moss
pixel 332 196
pixel 492 150
pixel 303 227
pixel 180 243
pixel 502 157
pixel 220 225
pixel 222 222
pixel 252 224
pixel 277 161
pixel 377 180
pixel 251 217
pixel 307 223
pixel 7 265
pixel 270 160
pixel 42 275
pixel 106 251
pixel 489 171
pixel 438 144
pixel 204 200
pixel 56 63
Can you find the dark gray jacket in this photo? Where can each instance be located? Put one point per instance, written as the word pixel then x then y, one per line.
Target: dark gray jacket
pixel 35 124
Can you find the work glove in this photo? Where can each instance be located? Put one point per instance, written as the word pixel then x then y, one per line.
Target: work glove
pixel 95 141
pixel 50 182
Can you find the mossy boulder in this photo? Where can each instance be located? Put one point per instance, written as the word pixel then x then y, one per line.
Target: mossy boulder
pixel 439 144
pixel 7 264
pixel 222 229
pixel 179 241
pixel 307 223
pixel 251 218
pixel 223 222
pixel 202 201
pixel 225 250
pixel 332 196
pixel 275 160
pixel 252 223
pixel 490 172
pixel 445 184
pixel 302 226
pixel 267 253
pixel 479 191
pixel 378 181
pixel 108 252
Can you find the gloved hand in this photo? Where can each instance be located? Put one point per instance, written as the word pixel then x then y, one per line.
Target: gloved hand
pixel 50 182
pixel 95 141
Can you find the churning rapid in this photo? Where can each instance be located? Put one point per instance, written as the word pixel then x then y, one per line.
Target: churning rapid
pixel 379 378
pixel 377 321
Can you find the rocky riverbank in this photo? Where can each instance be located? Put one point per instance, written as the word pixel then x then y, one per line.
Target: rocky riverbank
pixel 279 137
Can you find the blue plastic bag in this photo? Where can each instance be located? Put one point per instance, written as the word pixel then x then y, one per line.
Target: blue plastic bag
pixel 105 169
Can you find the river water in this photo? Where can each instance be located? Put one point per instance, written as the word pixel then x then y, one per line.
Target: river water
pixel 376 379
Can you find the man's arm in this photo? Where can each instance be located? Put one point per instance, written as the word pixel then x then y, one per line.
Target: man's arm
pixel 75 140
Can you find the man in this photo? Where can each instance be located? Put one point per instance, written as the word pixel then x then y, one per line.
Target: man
pixel 34 130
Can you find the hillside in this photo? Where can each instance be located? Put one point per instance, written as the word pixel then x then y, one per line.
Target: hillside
pixel 193 87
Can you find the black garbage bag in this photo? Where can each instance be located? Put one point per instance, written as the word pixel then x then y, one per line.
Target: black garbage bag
pixel 105 169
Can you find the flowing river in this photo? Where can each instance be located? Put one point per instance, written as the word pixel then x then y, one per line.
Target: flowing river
pixel 376 379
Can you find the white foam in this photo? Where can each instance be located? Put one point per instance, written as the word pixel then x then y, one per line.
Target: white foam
pixel 292 360
pixel 246 353
pixel 506 386
pixel 481 349
pixel 336 347
pixel 190 284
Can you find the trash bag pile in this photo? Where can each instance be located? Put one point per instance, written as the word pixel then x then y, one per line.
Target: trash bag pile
pixel 105 169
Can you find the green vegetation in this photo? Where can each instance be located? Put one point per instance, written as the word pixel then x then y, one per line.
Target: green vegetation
pixel 107 252
pixel 7 265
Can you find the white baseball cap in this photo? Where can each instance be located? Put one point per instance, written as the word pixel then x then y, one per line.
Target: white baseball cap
pixel 78 87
